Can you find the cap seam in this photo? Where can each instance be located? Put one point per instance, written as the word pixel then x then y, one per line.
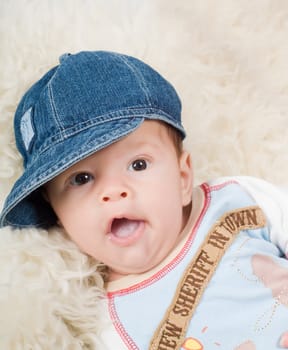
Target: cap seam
pixel 139 76
pixel 53 107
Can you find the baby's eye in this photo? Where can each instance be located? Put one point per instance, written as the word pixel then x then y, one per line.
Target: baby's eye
pixel 138 165
pixel 80 179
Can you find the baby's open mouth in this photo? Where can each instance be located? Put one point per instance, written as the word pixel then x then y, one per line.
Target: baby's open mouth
pixel 124 227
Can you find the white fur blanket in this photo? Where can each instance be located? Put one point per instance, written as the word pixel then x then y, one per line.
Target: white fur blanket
pixel 228 61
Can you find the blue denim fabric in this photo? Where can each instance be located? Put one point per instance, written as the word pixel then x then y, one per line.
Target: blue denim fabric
pixel 87 102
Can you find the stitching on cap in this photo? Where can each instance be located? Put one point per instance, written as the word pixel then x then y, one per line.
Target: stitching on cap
pixel 114 116
pixel 140 78
pixel 56 117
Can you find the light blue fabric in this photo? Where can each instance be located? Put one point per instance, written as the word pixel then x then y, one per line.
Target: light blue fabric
pixel 236 307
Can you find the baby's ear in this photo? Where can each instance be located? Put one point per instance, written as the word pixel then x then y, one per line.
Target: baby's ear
pixel 186 173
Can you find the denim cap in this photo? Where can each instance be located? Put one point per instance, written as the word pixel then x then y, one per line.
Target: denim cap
pixel 87 102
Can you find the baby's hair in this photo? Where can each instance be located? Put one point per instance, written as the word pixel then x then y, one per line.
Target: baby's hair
pixel 175 137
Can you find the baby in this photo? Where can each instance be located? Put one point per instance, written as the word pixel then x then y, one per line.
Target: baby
pixel 187 267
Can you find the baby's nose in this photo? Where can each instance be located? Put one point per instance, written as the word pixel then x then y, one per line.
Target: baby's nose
pixel 114 196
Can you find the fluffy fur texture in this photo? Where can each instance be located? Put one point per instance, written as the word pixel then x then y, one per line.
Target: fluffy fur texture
pixel 228 61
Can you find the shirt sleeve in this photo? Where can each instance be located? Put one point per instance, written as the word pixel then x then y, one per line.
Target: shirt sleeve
pixel 273 201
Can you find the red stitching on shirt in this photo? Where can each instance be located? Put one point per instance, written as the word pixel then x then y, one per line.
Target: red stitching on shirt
pixel 119 326
pixel 220 186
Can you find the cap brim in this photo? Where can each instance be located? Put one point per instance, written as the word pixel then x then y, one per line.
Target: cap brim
pixel 19 210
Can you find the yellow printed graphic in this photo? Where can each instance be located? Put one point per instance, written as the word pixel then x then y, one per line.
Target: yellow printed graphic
pixel 192 344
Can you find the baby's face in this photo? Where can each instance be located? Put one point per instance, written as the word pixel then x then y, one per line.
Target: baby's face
pixel 124 204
